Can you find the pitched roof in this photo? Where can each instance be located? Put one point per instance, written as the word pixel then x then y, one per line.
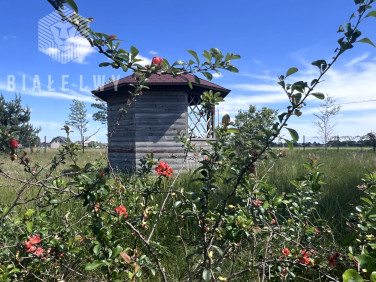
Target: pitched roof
pixel 63 139
pixel 163 80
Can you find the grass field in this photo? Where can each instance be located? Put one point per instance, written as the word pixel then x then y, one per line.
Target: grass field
pixel 38 158
pixel 343 172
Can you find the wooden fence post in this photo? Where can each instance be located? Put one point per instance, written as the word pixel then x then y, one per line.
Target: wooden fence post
pixel 303 142
pixel 83 144
pixel 45 144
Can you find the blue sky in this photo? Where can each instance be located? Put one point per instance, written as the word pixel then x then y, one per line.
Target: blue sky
pixel 271 36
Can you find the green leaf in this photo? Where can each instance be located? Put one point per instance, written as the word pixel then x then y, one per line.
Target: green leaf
pixel 75 250
pixel 180 63
pixel 72 4
pixel 291 71
pixel 321 64
pixel 368 201
pixel 289 144
pixel 232 69
pixel 134 52
pixel 297 113
pixel 318 95
pixel 96 249
pixel 207 56
pixel 206 275
pixel 366 262
pixel 116 251
pixel 373 277
pixel 281 116
pixel 208 75
pixel 105 64
pixel 367 40
pixel 277 200
pixel 371 14
pixel 29 226
pixel 294 134
pixel 194 54
pixel 177 204
pixel 351 275
pixel 197 80
pixel 232 130
pixel 15 270
pixel 93 265
pixel 6 209
pixel 218 249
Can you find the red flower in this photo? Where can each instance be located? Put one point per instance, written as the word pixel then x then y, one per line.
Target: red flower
pixel 305 259
pixel 157 61
pixel 31 249
pixel 121 210
pixel 257 203
pixel 285 252
pixel 13 144
pixel 332 259
pixel 96 207
pixel 28 244
pixel 35 239
pixel 273 221
pixel 39 252
pixel 317 231
pixel 164 169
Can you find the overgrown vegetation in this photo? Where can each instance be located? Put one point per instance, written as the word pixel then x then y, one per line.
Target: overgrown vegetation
pixel 232 219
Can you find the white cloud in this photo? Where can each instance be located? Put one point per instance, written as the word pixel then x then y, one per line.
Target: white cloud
pixel 256 87
pixel 153 52
pixel 258 62
pixel 352 85
pixel 80 48
pixel 47 125
pixel 217 75
pixel 84 48
pixel 265 77
pixel 357 60
pixel 53 94
pixel 144 60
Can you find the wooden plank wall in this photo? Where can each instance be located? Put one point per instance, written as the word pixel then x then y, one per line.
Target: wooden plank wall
pixel 160 116
pixel 150 126
pixel 121 137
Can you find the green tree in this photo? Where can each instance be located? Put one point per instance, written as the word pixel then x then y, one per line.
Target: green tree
pixel 101 114
pixel 77 117
pixel 371 138
pixel 16 118
pixel 325 120
pixel 255 128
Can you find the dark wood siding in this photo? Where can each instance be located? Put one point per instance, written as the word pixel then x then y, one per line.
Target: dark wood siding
pixel 150 126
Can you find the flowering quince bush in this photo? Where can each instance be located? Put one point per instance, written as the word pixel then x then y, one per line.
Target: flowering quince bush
pixel 164 169
pixel 225 223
